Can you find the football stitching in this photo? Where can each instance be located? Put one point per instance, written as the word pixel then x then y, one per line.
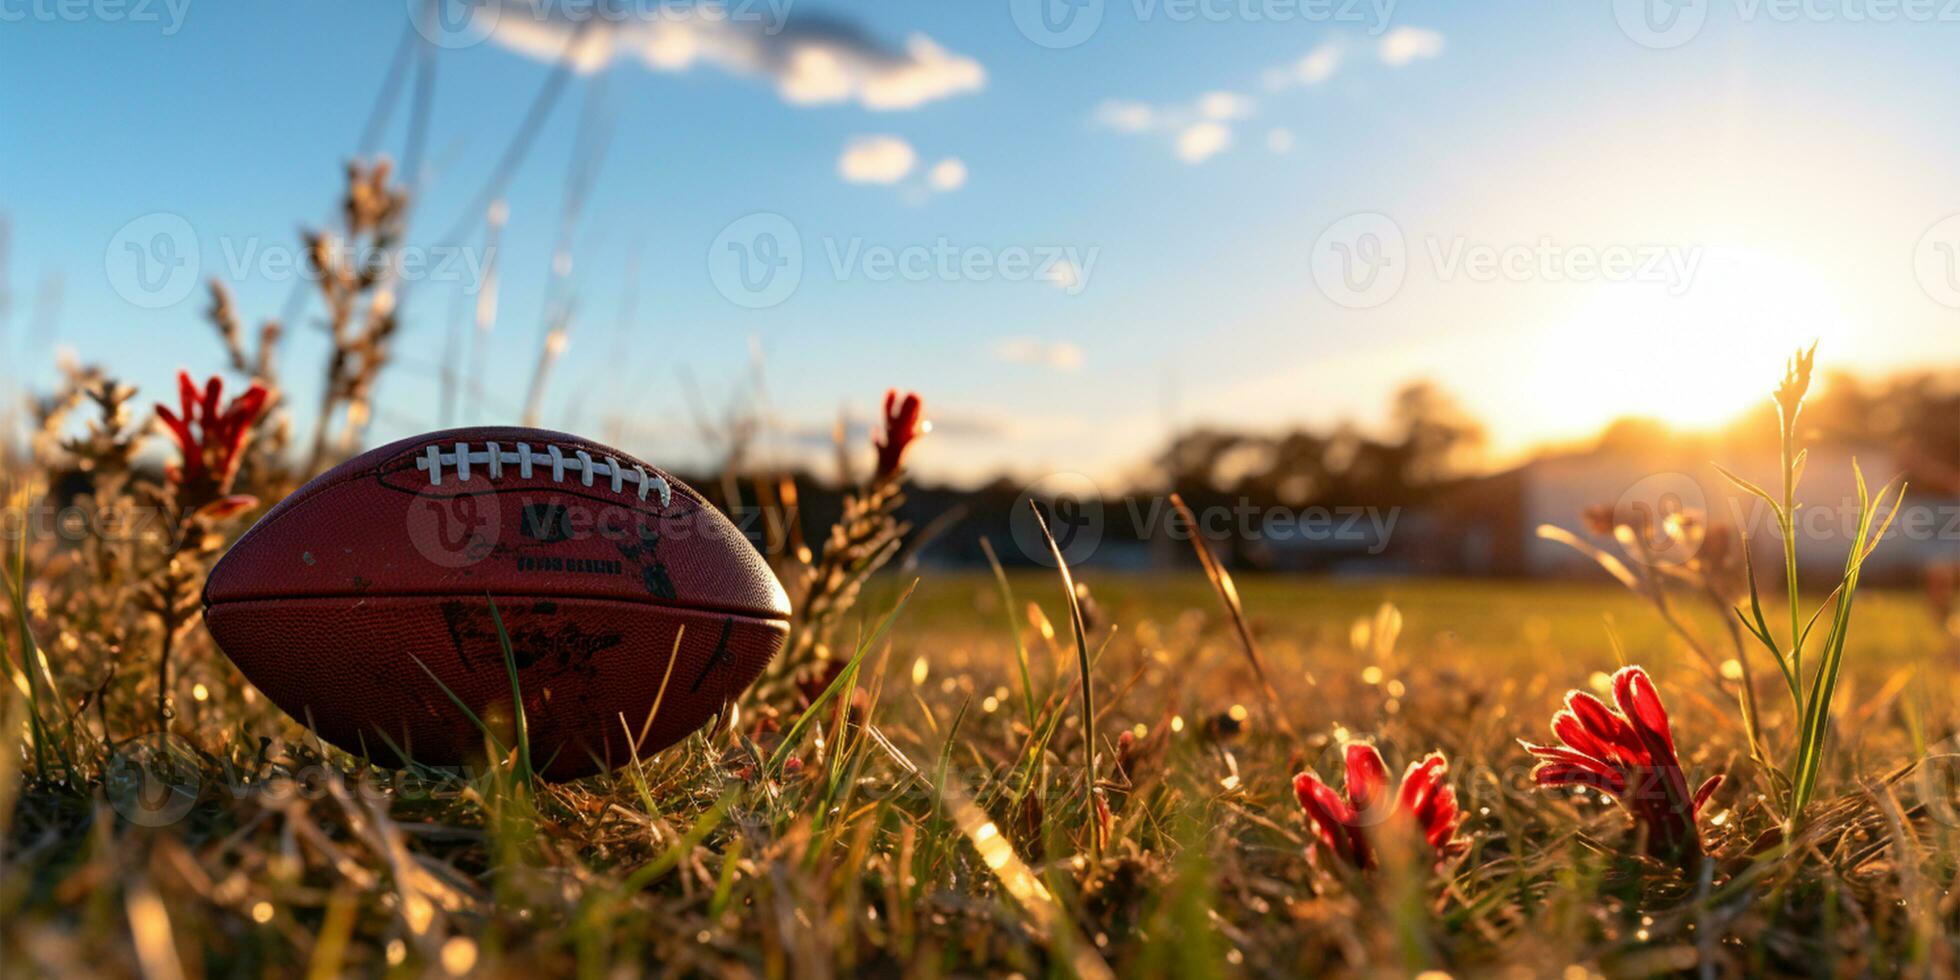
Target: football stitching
pixel 493 459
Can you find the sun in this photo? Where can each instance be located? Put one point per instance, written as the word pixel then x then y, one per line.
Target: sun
pixel 1682 351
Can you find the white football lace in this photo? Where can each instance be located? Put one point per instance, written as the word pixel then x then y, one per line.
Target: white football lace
pixel 492 458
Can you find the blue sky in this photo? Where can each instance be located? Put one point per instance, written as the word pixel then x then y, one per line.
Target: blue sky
pixel 1582 220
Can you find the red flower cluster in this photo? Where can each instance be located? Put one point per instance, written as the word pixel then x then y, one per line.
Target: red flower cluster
pixel 1628 754
pixel 1424 803
pixel 212 440
pixel 904 422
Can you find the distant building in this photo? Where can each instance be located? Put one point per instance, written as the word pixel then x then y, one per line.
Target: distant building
pixel 1489 526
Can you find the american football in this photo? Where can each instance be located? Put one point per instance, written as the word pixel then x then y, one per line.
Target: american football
pixel 363 603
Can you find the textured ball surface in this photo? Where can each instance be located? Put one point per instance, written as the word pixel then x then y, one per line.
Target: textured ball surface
pixel 596 562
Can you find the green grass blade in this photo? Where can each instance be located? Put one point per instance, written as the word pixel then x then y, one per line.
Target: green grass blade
pixel 460 706
pixel 795 734
pixel 521 731
pixel 1080 629
pixel 1817 710
pixel 1750 488
pixel 1013 628
pixel 704 825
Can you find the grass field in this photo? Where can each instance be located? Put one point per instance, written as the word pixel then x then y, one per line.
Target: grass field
pixel 941 826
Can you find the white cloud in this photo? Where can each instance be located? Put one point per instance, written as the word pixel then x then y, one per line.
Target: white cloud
pixel 1279 139
pixel 1128 117
pixel 1312 68
pixel 947 175
pixel 1198 142
pixel 1197 131
pixel 1060 355
pixel 1224 105
pixel 811 60
pixel 1405 44
pixel 876 160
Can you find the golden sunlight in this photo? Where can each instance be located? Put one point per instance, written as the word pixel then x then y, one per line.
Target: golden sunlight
pixel 1669 350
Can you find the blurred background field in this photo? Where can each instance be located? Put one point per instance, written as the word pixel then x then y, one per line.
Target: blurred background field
pixel 1506 627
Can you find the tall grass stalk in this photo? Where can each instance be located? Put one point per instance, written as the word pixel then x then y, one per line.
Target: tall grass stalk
pixel 1013 628
pixel 1228 594
pixel 1811 696
pixel 1080 628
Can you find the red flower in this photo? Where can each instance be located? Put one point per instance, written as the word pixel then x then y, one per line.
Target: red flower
pixel 1344 825
pixel 903 424
pixel 211 440
pixel 1628 754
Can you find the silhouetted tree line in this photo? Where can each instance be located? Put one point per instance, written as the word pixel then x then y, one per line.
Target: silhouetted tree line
pixel 1430 446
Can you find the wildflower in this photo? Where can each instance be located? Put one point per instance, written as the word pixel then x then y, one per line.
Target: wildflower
pixel 1628 754
pixel 903 424
pixel 1425 797
pixel 212 440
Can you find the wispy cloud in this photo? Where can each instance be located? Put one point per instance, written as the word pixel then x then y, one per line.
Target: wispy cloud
pixel 1312 68
pixel 811 59
pixel 1201 129
pixel 1197 130
pixel 1059 355
pixel 1406 44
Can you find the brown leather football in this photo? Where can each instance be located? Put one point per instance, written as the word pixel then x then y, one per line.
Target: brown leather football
pixel 596 562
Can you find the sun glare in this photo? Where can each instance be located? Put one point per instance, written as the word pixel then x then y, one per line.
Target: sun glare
pixel 1670 350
